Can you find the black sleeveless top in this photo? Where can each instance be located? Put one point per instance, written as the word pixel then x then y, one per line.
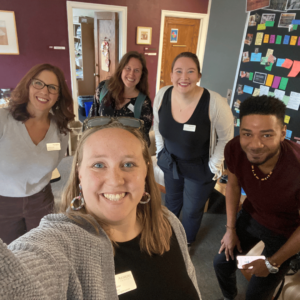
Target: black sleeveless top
pixel 162 277
pixel 186 145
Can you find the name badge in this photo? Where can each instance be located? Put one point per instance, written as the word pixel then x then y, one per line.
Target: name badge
pixel 131 107
pixel 53 146
pixel 125 282
pixel 187 127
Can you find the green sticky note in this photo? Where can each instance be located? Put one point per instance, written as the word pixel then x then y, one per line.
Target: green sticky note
pixel 250 76
pixel 263 60
pixel 270 23
pixel 286 99
pixel 261 26
pixel 283 83
pixel 269 68
pixel 271 94
pixel 278 39
pixel 295 26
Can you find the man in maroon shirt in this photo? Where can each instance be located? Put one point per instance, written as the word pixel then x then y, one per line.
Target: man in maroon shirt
pixel 267 167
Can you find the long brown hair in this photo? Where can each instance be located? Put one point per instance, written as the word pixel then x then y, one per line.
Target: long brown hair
pixel 62 109
pixel 116 85
pixel 156 229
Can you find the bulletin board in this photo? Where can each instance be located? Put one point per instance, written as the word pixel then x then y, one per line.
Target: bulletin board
pixel 270 64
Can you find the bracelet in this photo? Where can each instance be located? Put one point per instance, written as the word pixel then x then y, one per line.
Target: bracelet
pixel 229 227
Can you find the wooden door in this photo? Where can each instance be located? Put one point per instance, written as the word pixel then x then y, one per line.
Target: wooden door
pixel 187 40
pixel 106 27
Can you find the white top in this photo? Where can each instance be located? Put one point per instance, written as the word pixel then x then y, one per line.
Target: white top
pixel 221 131
pixel 26 168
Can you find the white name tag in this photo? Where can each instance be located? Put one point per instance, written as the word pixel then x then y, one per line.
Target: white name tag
pixel 131 107
pixel 53 146
pixel 187 127
pixel 125 282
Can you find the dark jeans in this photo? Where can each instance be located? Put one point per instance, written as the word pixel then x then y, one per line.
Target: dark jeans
pixel 188 192
pixel 20 214
pixel 250 232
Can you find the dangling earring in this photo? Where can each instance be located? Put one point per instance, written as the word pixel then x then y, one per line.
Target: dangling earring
pixel 148 198
pixel 79 198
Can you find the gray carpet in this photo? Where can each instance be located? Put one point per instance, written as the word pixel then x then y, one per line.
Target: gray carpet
pixel 203 250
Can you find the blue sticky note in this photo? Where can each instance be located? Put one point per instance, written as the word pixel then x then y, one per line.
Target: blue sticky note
pixel 286 40
pixel 279 62
pixel 248 89
pixel 296 22
pixel 288 135
pixel 256 57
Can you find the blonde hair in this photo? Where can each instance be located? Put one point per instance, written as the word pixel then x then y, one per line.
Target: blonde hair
pixel 156 229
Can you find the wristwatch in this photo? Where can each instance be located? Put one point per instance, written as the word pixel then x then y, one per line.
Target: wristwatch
pixel 272 269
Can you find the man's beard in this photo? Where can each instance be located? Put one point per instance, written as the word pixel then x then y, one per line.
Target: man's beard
pixel 269 156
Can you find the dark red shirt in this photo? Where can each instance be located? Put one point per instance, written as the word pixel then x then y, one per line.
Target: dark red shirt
pixel 274 203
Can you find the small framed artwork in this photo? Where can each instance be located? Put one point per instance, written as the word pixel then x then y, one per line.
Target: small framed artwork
pixel 144 35
pixel 174 35
pixel 8 33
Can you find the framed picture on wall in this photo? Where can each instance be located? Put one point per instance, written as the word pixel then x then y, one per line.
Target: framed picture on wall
pixel 8 33
pixel 144 35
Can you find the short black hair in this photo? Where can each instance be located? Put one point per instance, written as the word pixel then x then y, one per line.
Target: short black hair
pixel 263 105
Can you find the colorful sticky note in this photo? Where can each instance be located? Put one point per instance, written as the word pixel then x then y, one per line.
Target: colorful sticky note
pixel 272 39
pixel 287 63
pixel 256 92
pixel 287 119
pixel 278 39
pixel 259 38
pixel 286 99
pixel 296 22
pixel 279 62
pixel 264 90
pixel 269 80
pixel 261 26
pixel 298 41
pixel 286 39
pixel 266 38
pixel 276 82
pixel 248 89
pixel 295 69
pixel 250 76
pixel 269 68
pixel 293 40
pixel 288 134
pixel 283 83
pixel 263 60
pixel 271 94
pixel 295 26
pixel 255 57
pixel 269 23
pixel 279 94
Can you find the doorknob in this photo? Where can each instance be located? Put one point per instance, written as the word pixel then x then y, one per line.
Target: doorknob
pixel 96 74
pixel 162 81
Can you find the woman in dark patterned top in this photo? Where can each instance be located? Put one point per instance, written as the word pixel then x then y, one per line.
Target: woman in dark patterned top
pixel 130 79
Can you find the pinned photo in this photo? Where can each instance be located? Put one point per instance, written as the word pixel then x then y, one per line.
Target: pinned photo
pixel 252 21
pixel 237 103
pixel 260 78
pixel 248 39
pixel 291 27
pixel 292 4
pixel 246 56
pixel 277 5
pixel 286 20
pixel 239 89
pixel 243 74
pixel 267 17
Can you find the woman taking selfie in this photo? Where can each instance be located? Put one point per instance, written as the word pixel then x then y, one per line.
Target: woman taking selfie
pixel 126 93
pixel 33 140
pixel 192 126
pixel 114 234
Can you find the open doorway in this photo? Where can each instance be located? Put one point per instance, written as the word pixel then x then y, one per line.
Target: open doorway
pixel 97 41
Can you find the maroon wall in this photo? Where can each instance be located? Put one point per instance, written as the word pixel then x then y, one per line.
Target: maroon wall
pixel 42 23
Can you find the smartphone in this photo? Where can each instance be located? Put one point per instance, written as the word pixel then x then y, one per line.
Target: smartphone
pixel 246 259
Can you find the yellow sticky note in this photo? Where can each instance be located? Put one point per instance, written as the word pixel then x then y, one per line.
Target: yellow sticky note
pixel 259 38
pixel 269 80
pixel 261 26
pixel 256 92
pixel 266 38
pixel 293 40
pixel 287 119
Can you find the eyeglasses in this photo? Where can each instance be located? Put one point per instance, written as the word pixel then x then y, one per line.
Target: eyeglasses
pixel 39 85
pixel 102 121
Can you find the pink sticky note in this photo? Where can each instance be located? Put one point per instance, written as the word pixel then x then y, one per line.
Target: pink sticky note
pixel 295 69
pixel 272 39
pixel 287 63
pixel 276 82
pixel 271 59
pixel 298 41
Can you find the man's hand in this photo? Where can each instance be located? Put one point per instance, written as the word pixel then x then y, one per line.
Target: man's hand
pixel 259 268
pixel 229 241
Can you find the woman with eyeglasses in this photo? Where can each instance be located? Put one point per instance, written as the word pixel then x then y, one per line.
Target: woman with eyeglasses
pixel 33 140
pixel 113 238
pixel 192 126
pixel 126 93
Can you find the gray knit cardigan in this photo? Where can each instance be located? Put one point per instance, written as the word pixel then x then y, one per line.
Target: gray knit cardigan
pixel 63 260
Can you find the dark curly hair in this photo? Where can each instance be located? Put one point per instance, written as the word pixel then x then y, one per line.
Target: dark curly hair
pixel 263 105
pixel 62 109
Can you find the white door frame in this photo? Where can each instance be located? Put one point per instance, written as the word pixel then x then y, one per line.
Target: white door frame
pixel 122 10
pixel 204 18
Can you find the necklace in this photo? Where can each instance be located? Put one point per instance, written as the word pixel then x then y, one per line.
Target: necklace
pixel 262 179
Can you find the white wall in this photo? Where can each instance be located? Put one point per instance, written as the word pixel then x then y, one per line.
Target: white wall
pixel 83 12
